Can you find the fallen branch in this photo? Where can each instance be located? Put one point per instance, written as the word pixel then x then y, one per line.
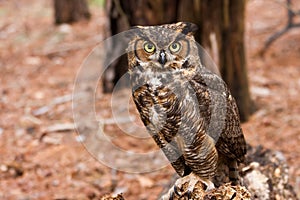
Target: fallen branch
pixel 70 46
pixel 60 128
pixel 56 101
pixel 290 24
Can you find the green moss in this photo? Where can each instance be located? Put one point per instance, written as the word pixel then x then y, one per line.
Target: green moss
pixel 100 3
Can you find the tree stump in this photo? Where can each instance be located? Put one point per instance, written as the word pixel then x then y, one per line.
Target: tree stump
pixel 264 176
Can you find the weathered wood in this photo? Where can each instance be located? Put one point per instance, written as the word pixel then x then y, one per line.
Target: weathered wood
pixel 263 176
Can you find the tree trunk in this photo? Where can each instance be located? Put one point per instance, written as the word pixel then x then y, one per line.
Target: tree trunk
pixel 68 11
pixel 221 33
pixel 233 67
pixel 123 15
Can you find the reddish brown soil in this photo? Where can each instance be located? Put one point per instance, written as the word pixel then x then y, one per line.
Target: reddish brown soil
pixel 38 164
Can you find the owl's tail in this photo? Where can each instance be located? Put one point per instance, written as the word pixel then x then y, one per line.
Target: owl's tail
pixel 233 172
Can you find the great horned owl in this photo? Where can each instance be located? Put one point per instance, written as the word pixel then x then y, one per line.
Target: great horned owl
pixel 187 109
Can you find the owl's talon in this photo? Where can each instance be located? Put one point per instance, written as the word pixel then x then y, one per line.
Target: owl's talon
pixel 189 194
pixel 176 190
pixel 171 196
pixel 209 185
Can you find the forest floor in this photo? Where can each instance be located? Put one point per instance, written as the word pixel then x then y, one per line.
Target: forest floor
pixel 41 156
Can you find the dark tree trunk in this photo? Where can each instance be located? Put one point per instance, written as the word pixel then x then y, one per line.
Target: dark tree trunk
pixel 221 33
pixel 123 15
pixel 234 66
pixel 68 11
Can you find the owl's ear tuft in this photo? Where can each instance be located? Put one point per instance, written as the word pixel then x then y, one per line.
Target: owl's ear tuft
pixel 187 28
pixel 133 32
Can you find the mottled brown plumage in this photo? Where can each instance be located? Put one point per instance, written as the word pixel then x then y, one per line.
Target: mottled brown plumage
pixel 187 109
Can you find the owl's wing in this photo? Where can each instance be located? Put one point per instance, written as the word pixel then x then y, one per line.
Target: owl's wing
pixel 164 136
pixel 170 147
pixel 232 143
pixel 173 154
pixel 222 117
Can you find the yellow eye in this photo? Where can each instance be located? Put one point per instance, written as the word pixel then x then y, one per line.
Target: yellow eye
pixel 175 47
pixel 149 47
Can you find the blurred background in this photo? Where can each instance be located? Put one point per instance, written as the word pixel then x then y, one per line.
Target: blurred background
pixel 255 43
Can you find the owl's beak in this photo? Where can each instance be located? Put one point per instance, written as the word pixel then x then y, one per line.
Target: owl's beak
pixel 162 57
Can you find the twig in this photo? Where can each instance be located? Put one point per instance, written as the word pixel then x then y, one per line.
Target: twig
pixel 60 128
pixel 290 24
pixel 70 46
pixel 58 100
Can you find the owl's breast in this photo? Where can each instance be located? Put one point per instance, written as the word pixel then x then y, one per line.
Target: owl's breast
pixel 154 77
pixel 157 103
pixel 154 97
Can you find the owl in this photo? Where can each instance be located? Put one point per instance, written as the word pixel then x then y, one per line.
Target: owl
pixel 187 109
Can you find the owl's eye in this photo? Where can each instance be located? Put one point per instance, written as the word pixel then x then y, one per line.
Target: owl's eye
pixel 175 47
pixel 149 47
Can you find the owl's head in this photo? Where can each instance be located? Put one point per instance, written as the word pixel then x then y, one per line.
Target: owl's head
pixel 163 47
